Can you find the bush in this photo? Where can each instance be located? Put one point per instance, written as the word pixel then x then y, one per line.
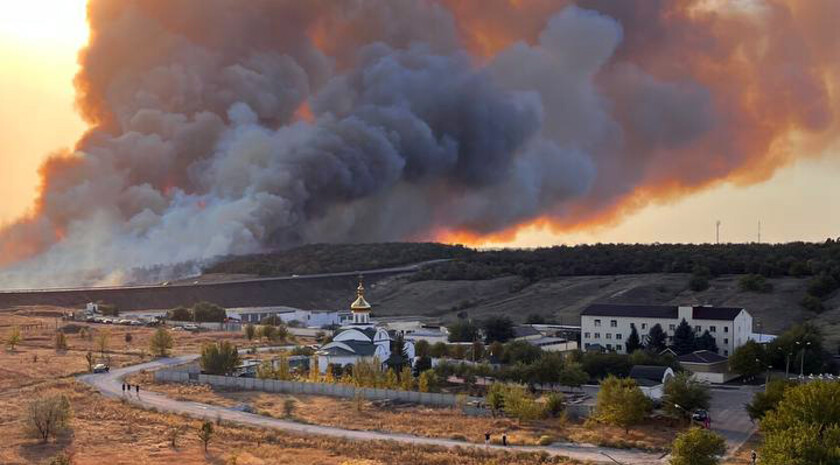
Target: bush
pixel 60 459
pixel 220 358
pixel 60 341
pixel 698 283
pixel 546 441
pixel 160 343
pixel 812 303
pixel 620 402
pixel 697 446
pixel 685 391
pixel 47 417
pixel 555 404
pixel 754 283
pixel 767 400
pixel 288 407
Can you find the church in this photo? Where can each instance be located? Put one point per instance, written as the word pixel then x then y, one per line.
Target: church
pixel 361 339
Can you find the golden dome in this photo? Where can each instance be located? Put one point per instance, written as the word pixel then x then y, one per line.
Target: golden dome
pixel 360 304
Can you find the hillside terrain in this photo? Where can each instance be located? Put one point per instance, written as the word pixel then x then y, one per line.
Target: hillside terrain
pixel 556 283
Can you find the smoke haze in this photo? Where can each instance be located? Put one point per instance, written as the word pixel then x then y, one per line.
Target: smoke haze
pixel 229 127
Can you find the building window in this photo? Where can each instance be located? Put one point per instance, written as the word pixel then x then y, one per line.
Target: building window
pixel 726 340
pixel 597 335
pixel 726 352
pixel 609 346
pixel 697 328
pixel 672 327
pixel 712 329
pixel 644 325
pixel 597 323
pixel 726 329
pixel 618 336
pixel 609 335
pixel 613 323
pixel 618 347
pixel 586 335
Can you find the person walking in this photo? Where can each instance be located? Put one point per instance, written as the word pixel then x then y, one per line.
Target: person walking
pixel 123 388
pixel 486 439
pixel 137 387
pixel 504 439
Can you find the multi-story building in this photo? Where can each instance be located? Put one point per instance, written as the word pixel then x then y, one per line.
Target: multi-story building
pixel 609 325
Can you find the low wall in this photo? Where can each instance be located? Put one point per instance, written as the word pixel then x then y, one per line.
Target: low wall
pixel 321 389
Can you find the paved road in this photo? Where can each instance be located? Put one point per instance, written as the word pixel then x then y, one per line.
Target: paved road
pixel 110 385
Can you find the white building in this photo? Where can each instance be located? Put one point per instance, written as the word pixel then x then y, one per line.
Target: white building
pixel 306 318
pixel 609 325
pixel 360 339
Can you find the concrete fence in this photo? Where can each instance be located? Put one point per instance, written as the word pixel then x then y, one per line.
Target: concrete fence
pixel 323 389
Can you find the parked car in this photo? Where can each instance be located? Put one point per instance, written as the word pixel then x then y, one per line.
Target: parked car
pixel 699 415
pixel 191 327
pixel 101 368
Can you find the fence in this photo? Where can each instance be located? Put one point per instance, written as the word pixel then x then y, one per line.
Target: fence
pixel 324 389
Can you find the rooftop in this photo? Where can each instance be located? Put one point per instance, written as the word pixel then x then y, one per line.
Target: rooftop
pixel 670 312
pixel 702 356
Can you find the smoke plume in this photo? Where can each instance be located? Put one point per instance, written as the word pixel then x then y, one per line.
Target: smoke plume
pixel 228 127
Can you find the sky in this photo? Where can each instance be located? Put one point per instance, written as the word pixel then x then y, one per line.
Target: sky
pixel 39 41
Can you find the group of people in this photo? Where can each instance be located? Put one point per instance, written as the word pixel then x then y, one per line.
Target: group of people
pixel 487 439
pixel 127 387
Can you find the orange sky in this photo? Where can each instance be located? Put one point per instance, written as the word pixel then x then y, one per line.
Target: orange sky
pixel 38 44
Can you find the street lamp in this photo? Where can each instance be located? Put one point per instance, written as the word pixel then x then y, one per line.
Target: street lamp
pixel 767 376
pixel 802 360
pixel 787 361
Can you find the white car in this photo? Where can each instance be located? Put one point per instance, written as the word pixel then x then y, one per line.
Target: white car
pixel 101 368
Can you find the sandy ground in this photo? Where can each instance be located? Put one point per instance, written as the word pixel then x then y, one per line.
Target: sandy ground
pixel 111 432
pixel 418 420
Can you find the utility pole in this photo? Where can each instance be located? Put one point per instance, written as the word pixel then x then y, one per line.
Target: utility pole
pixel 759 231
pixel 717 232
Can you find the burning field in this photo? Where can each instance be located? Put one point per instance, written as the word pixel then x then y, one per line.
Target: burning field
pixel 228 127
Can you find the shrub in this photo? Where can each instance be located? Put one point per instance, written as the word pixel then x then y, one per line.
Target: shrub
pixel 555 404
pixel 14 338
pixel 697 446
pixel 160 343
pixel 620 402
pixel 754 283
pixel 220 358
pixel 47 417
pixel 205 433
pixel 546 441
pixel 812 303
pixel 60 341
pixel 288 407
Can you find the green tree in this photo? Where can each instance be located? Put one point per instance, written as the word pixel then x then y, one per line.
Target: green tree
pixel 535 319
pixel 14 338
pixel 620 402
pixel 422 348
pixel 684 341
pixel 208 312
pixel 572 375
pixel 754 283
pixel 764 401
pixel 47 417
pixel 520 405
pixel 805 426
pixel 748 360
pixel 495 398
pixel 497 328
pixel 706 342
pixel 268 332
pixel 657 339
pixel 697 446
pixel 160 343
pixel 179 314
pixel 463 331
pixel 698 283
pixel 633 343
pixel 205 433
pixel 109 309
pixel 250 331
pixel 555 404
pixel 520 352
pixel 438 350
pixel 221 358
pixel 687 392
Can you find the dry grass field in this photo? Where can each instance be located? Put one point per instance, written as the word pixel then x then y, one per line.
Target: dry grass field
pixel 109 431
pixel 418 420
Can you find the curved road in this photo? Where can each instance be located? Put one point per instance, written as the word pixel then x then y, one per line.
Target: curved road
pixel 110 385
